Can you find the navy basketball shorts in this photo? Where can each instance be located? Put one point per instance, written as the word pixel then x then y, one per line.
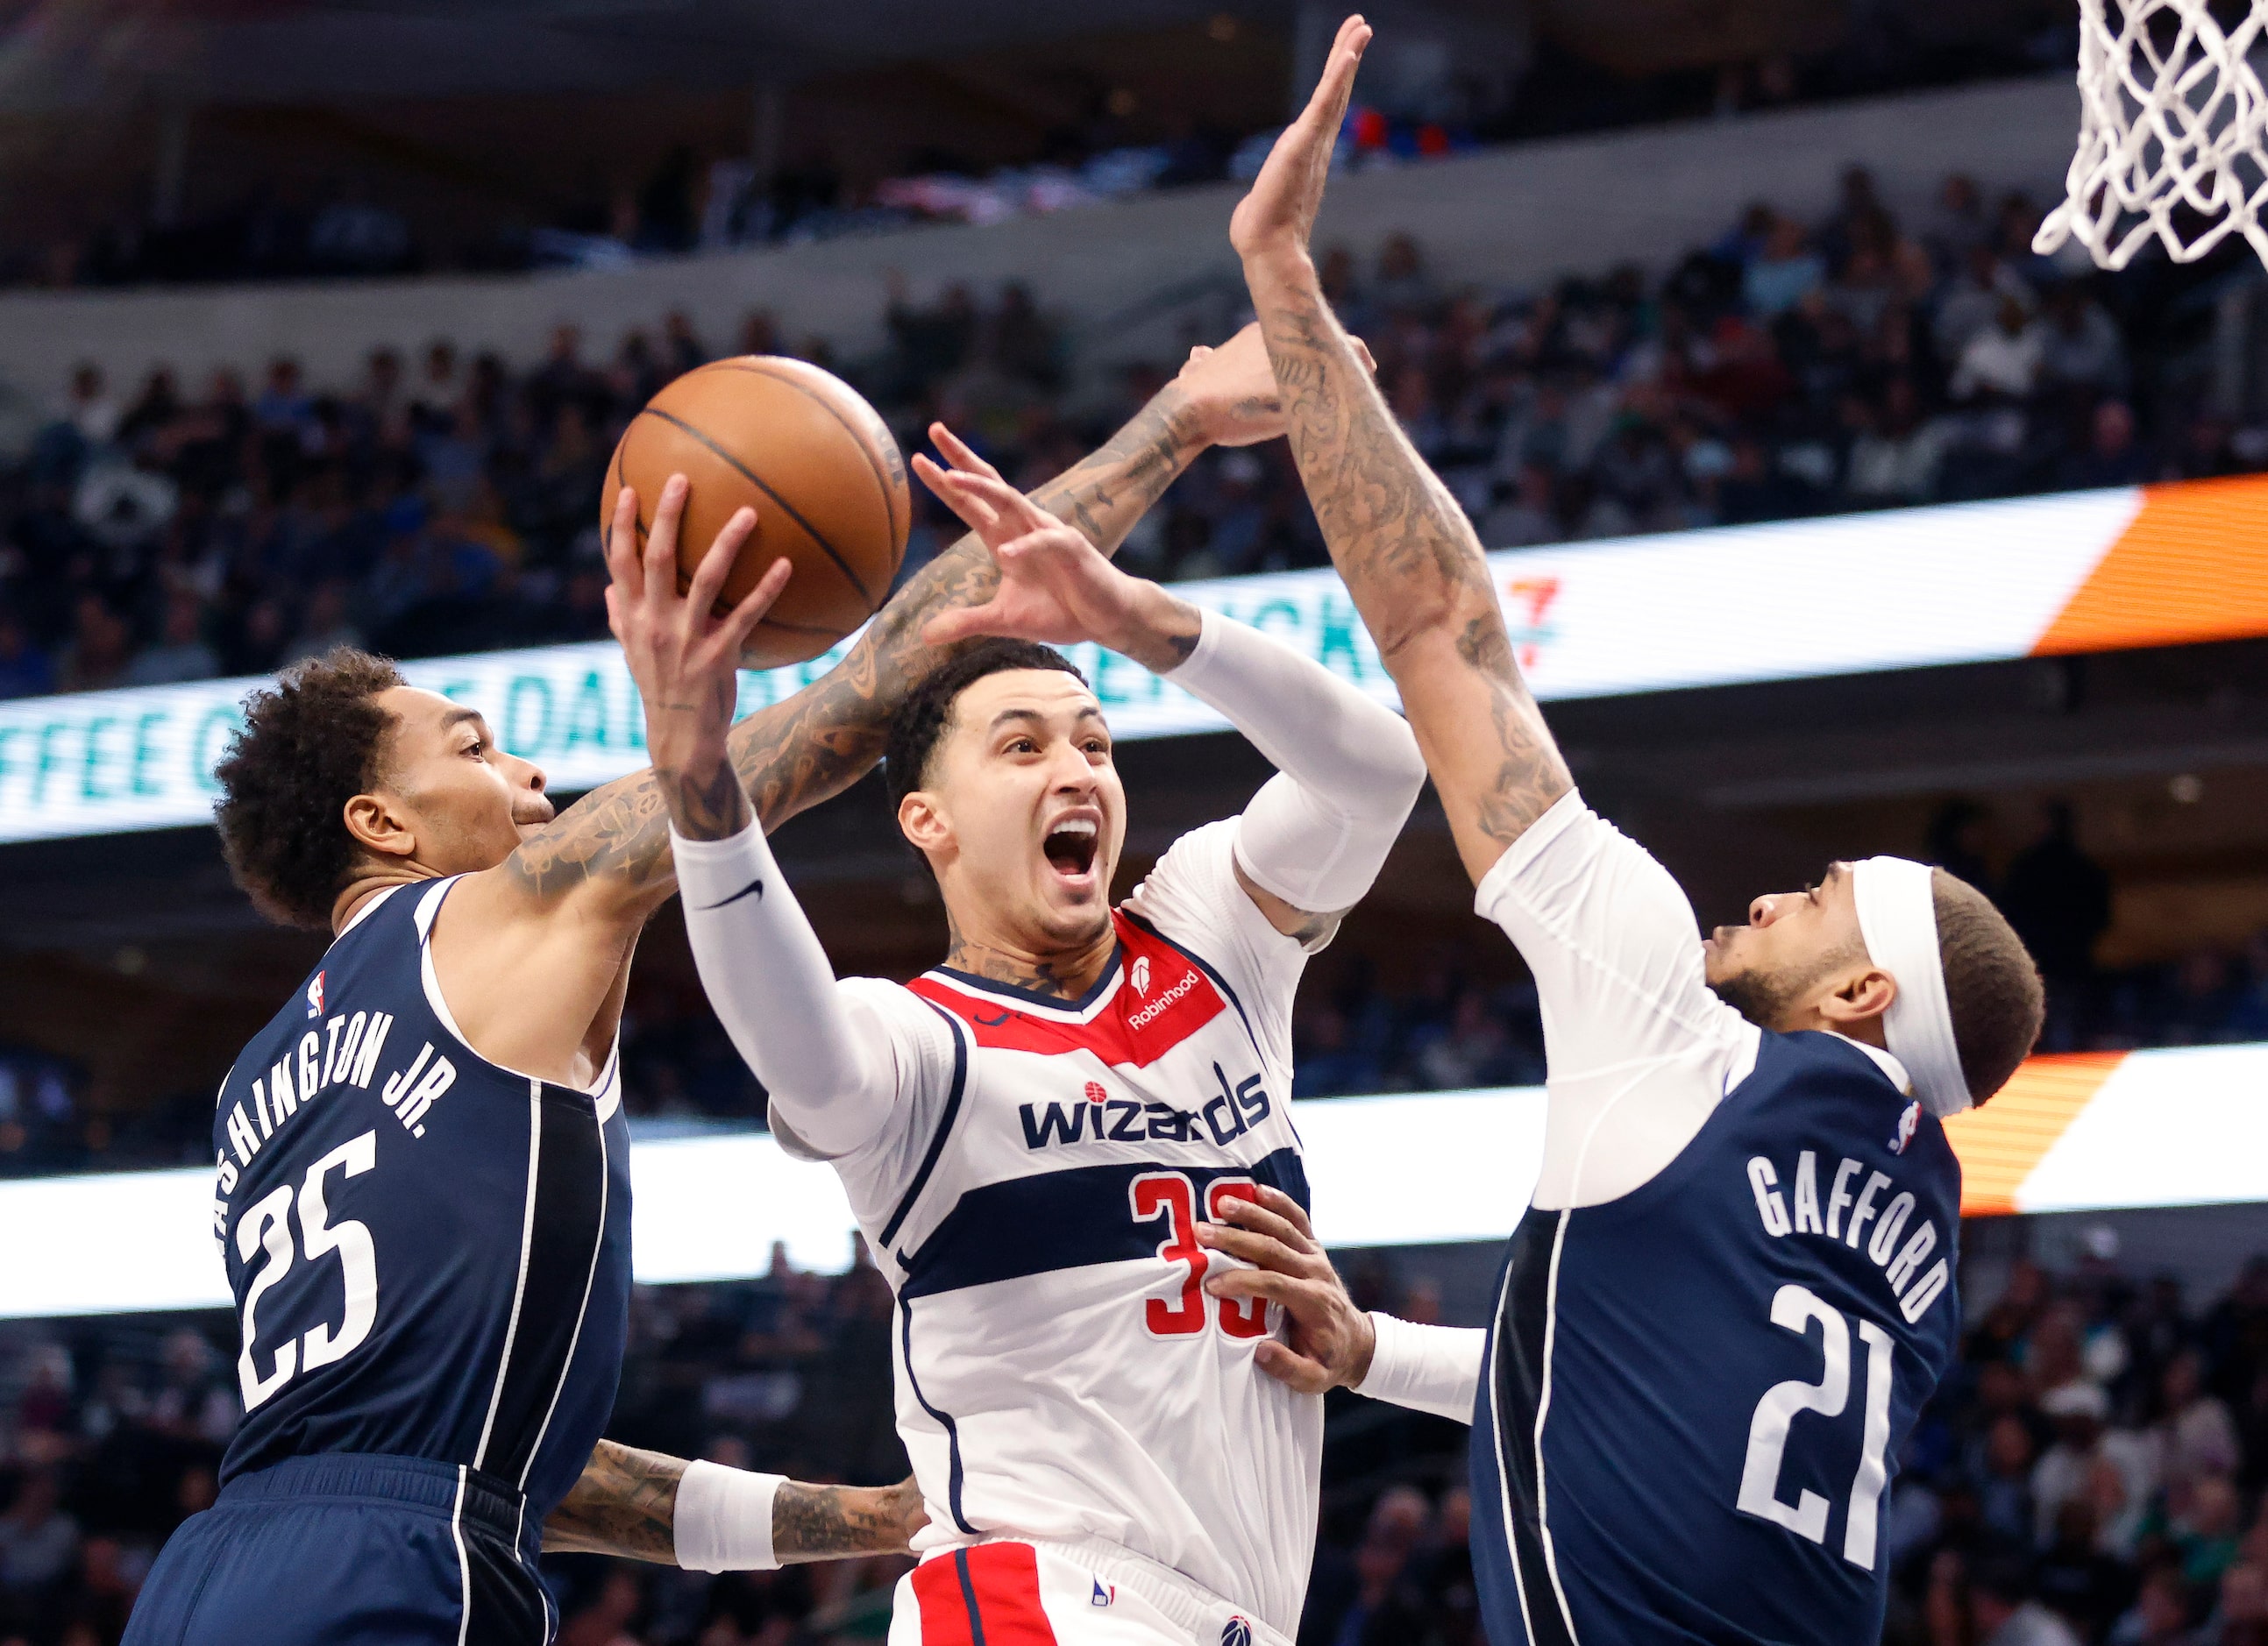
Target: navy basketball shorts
pixel 350 1549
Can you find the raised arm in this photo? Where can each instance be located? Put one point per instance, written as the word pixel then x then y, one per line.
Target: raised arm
pixel 1348 771
pixel 645 1506
pixel 1404 548
pixel 615 842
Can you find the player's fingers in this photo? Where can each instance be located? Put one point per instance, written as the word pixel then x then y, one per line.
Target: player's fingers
pixel 744 618
pixel 1005 502
pixel 972 513
pixel 1265 1250
pixel 660 555
pixel 1247 1222
pixel 968 623
pixel 1337 87
pixel 1285 1365
pixel 1274 1203
pixel 621 546
pixel 1293 1293
pixel 716 565
pixel 959 452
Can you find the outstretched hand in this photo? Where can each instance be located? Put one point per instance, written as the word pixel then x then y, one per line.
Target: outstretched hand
pixel 1331 1341
pixel 685 657
pixel 1232 388
pixel 1279 215
pixel 1055 586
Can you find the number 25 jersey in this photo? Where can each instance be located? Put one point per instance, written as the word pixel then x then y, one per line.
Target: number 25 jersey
pixel 1061 1372
pixel 430 1253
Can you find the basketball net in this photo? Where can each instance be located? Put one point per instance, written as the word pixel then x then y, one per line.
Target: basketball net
pixel 2172 118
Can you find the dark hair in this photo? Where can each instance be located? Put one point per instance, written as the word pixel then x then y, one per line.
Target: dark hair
pixel 308 744
pixel 1991 988
pixel 920 720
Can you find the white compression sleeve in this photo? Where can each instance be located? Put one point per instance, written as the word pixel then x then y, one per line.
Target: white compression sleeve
pixel 1348 768
pixel 1433 1369
pixel 775 993
pixel 723 1522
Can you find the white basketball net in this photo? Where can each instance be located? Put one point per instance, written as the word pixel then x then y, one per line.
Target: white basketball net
pixel 2172 117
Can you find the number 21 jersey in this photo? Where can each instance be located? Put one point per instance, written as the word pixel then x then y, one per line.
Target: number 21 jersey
pixel 430 1253
pixel 1727 1305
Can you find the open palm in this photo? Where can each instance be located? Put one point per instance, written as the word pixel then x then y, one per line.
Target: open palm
pixel 1280 212
pixel 1055 585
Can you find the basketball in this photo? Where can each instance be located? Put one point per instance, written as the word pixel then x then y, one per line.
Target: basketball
pixel 818 465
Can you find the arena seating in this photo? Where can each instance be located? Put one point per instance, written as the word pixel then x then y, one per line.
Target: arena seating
pixel 2090 1456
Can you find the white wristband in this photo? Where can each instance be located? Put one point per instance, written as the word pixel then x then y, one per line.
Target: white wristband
pixel 724 1519
pixel 1433 1369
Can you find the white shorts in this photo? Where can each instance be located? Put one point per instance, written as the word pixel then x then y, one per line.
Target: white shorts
pixel 1085 1593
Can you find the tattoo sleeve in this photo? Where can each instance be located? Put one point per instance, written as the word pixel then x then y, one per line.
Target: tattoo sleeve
pixel 625 1504
pixel 1411 562
pixel 819 742
pixel 818 1523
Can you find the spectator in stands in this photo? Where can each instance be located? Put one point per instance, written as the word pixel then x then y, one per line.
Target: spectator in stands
pixel 26 669
pixel 100 647
pixel 38 1543
pixel 2112 456
pixel 2008 1613
pixel 180 653
pixel 2058 900
pixel 2071 1471
pixel 1782 272
pixel 2002 359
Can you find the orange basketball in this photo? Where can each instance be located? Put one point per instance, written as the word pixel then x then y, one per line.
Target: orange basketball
pixel 809 455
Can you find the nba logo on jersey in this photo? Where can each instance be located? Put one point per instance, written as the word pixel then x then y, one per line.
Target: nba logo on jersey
pixel 1103 1595
pixel 1236 1632
pixel 1908 1123
pixel 1140 975
pixel 315 997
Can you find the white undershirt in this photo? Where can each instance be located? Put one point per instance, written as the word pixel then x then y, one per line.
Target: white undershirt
pixel 1637 1050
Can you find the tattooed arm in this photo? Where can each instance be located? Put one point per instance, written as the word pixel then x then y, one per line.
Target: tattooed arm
pixel 814 745
pixel 568 904
pixel 1404 546
pixel 626 1504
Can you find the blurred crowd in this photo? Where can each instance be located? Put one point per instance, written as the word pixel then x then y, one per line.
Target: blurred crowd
pixel 165 531
pixel 1437 1026
pixel 1366 1021
pixel 2091 1473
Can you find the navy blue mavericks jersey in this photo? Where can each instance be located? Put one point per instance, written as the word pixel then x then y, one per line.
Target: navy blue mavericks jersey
pixel 1695 1395
pixel 431 1254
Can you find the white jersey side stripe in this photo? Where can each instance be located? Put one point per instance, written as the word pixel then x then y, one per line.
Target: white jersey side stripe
pixel 944 1130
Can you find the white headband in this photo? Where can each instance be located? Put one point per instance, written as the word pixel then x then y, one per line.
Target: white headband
pixel 1897 918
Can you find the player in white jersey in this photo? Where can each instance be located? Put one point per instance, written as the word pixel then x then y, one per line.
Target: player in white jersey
pixel 1033 1134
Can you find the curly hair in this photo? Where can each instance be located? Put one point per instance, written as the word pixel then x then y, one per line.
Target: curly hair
pixel 308 744
pixel 1992 988
pixel 920 720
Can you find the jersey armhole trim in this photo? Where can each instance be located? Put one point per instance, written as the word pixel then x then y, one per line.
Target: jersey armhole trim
pixel 428 912
pixel 937 1139
pixel 1142 924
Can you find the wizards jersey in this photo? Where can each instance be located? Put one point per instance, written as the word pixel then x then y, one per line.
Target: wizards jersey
pixel 1062 1373
pixel 430 1253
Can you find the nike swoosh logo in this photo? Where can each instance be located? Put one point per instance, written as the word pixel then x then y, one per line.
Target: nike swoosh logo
pixel 756 886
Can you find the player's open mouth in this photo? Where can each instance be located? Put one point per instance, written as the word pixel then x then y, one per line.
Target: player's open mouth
pixel 1070 847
